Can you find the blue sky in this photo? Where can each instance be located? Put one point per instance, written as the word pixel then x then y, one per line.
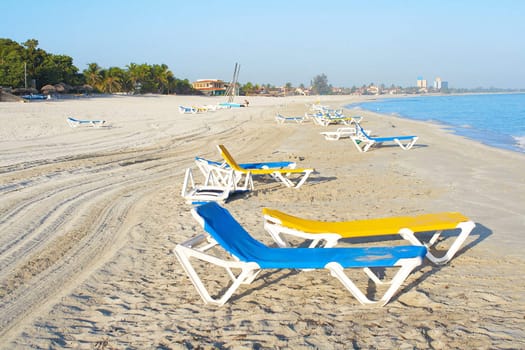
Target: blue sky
pixel 467 43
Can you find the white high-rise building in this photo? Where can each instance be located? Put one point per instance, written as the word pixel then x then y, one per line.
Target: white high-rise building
pixel 437 83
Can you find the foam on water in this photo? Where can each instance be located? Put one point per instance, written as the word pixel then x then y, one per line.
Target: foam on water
pixel 520 142
pixel 497 120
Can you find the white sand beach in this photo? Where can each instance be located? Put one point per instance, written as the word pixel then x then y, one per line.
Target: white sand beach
pixel 89 218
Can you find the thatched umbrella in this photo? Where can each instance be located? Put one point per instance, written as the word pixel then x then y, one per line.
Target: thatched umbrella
pixel 60 87
pixel 47 89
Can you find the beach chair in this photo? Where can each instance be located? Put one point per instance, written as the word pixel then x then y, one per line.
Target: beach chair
pixel 328 234
pixel 282 119
pixel 339 133
pixel 187 110
pixel 206 166
pixel 279 174
pixel 363 141
pixel 325 119
pixel 74 122
pixel 250 256
pixel 199 109
pixel 213 190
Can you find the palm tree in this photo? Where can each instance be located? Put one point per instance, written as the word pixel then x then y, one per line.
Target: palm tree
pixel 137 75
pixel 112 79
pixel 93 76
pixel 161 76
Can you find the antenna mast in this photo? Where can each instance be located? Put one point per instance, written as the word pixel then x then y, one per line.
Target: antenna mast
pixel 232 88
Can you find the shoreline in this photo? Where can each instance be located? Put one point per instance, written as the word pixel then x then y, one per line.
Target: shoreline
pixel 90 215
pixel 499 139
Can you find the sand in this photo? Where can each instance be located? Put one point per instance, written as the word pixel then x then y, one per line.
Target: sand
pixel 89 216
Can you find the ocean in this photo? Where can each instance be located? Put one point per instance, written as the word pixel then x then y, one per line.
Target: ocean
pixel 497 120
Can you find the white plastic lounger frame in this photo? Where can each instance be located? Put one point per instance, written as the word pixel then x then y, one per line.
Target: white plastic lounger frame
pixel 250 256
pixel 338 134
pixel 362 141
pixel 282 119
pixel 278 174
pixel 220 174
pixel 213 190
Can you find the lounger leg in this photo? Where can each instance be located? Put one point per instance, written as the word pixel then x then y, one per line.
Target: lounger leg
pixel 278 176
pixel 408 145
pixel 274 231
pixel 465 227
pixel 356 144
pixel 188 179
pixel 248 273
pixel 303 179
pixel 358 141
pixel 406 267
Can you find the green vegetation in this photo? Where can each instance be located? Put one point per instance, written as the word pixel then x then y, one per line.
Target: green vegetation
pixel 27 66
pixel 320 85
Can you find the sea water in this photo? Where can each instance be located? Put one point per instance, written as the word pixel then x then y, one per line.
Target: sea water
pixel 496 120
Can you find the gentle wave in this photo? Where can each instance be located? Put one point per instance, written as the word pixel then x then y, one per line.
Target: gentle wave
pixel 520 142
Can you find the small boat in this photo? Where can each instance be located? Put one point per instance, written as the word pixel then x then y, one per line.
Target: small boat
pixel 35 97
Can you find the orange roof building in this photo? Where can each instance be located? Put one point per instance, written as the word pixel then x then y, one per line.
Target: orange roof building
pixel 210 87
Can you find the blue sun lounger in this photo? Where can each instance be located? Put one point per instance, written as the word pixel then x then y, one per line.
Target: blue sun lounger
pixel 281 119
pixel 187 110
pixel 251 256
pixel 74 122
pixel 363 141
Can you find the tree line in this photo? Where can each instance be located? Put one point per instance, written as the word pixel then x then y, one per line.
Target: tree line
pixel 28 66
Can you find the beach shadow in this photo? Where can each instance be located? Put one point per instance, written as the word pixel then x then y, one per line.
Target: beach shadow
pixel 235 196
pixel 321 179
pixel 480 231
pixel 274 185
pixel 387 146
pixel 266 279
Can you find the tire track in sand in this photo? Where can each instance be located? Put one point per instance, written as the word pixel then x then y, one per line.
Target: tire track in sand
pixel 57 230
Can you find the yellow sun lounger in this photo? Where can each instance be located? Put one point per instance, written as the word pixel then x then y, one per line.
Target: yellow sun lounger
pixel 279 174
pixel 278 223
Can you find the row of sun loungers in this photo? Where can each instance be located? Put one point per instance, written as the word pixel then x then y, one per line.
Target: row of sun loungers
pixel 200 109
pixel 361 139
pixel 319 251
pixel 319 118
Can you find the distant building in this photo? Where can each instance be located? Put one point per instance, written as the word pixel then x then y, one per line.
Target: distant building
pixel 437 83
pixel 421 83
pixel 373 90
pixel 210 87
pixel 440 84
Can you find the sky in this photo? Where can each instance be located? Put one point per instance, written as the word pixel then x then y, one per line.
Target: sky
pixel 467 43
